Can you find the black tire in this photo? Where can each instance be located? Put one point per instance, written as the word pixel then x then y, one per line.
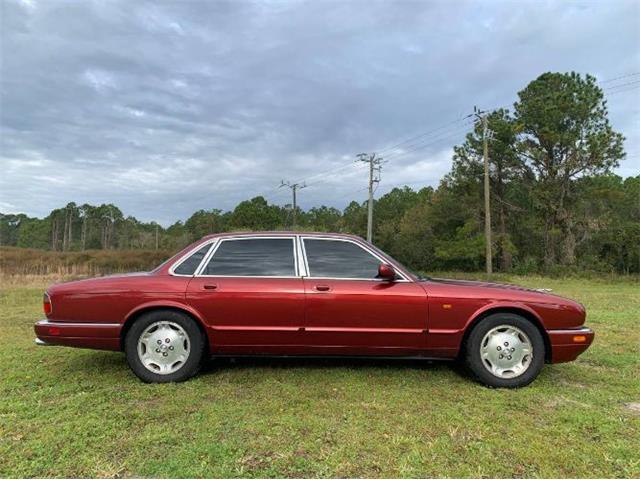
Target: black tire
pixel 196 341
pixel 476 365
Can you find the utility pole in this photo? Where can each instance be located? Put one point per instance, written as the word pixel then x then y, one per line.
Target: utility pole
pixel 486 136
pixel 375 168
pixel 294 188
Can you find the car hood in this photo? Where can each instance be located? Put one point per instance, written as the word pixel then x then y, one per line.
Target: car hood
pixel 476 283
pixel 492 293
pixel 508 290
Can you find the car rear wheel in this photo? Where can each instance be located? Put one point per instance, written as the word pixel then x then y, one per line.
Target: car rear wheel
pixel 164 346
pixel 505 350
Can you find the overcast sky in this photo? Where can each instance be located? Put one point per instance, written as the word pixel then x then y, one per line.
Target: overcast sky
pixel 164 108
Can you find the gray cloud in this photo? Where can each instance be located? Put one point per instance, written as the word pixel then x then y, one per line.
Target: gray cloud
pixel 167 107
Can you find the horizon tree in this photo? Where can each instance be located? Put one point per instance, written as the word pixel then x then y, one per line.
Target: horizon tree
pixel 564 134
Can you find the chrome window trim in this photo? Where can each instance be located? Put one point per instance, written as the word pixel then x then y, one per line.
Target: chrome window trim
pixel 212 252
pixel 182 259
pixel 303 269
pixel 303 252
pixel 206 258
pixel 300 257
pixel 365 247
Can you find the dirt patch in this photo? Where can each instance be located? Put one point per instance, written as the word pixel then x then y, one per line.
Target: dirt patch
pixel 633 407
pixel 563 401
pixel 571 383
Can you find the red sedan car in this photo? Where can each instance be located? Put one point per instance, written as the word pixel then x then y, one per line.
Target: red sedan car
pixel 316 294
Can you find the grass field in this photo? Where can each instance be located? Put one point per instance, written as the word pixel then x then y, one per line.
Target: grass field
pixel 68 413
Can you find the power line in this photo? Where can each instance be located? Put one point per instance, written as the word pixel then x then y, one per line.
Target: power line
pixel 330 171
pixel 327 177
pixel 422 146
pixel 276 192
pixel 424 134
pixel 621 85
pixel 631 89
pixel 444 134
pixel 448 133
pixel 444 129
pixel 457 120
pixel 620 77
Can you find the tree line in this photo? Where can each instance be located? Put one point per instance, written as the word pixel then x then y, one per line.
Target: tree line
pixel 555 203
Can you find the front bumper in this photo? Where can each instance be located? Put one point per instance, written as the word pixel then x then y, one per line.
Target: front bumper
pixel 101 336
pixel 567 344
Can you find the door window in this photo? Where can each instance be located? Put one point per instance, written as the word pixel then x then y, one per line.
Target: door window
pixel 188 267
pixel 337 259
pixel 253 257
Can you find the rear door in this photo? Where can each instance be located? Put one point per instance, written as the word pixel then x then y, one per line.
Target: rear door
pixel 350 311
pixel 251 295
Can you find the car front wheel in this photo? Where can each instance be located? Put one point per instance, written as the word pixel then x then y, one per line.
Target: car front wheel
pixel 164 346
pixel 505 350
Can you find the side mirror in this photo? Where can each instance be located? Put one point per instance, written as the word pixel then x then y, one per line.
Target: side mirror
pixel 386 272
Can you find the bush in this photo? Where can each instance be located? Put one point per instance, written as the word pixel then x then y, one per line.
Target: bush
pixel 28 261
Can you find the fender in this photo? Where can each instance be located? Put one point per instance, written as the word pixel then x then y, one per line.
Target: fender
pixel 162 304
pixel 166 304
pixel 502 305
pixel 448 341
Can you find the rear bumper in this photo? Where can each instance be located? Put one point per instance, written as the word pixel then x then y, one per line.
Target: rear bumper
pixel 566 345
pixel 102 336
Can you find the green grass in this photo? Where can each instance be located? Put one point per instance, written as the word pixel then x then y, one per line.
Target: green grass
pixel 78 413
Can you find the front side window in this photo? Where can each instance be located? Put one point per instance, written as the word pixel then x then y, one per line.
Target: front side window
pixel 188 267
pixel 337 259
pixel 253 257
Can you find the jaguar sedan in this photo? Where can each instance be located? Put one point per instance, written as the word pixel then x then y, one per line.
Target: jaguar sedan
pixel 309 294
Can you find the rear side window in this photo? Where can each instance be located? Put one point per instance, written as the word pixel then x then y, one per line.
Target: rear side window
pixel 253 257
pixel 336 259
pixel 188 267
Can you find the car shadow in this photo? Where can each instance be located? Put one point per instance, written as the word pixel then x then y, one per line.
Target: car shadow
pixel 100 361
pixel 115 363
pixel 218 364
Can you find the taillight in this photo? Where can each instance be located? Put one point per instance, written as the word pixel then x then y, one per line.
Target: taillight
pixel 46 304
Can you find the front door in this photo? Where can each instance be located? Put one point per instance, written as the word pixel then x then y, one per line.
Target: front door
pixel 350 311
pixel 251 296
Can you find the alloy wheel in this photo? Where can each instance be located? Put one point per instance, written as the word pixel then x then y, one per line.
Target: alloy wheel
pixel 163 347
pixel 506 351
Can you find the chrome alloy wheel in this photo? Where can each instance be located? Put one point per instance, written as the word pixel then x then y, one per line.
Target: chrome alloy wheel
pixel 163 347
pixel 506 351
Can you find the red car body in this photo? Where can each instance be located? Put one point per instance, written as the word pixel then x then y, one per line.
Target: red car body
pixel 307 316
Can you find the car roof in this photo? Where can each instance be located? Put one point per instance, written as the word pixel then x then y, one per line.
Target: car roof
pixel 276 233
